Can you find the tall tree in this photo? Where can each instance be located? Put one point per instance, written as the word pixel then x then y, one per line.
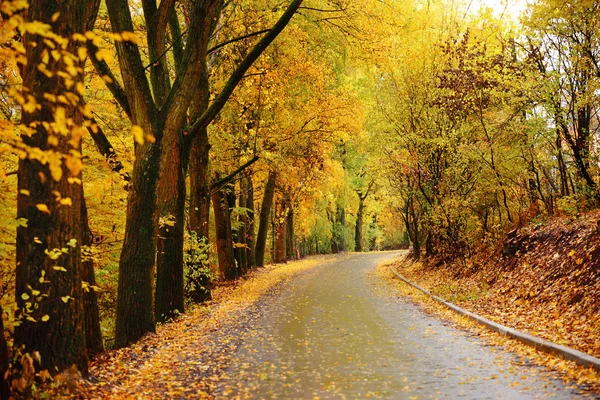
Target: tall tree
pixel 49 273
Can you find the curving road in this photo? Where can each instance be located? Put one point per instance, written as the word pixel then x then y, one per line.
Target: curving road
pixel 334 333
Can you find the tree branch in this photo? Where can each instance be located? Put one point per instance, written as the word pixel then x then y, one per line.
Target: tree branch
pixel 217 105
pixel 222 181
pixel 112 84
pixel 237 39
pixel 107 150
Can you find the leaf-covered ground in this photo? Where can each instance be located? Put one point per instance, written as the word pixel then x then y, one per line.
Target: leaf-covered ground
pixel 543 280
pixel 187 358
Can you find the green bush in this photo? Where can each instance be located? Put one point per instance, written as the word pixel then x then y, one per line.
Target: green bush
pixel 199 278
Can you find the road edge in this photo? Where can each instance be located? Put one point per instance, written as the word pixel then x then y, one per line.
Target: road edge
pixel 565 352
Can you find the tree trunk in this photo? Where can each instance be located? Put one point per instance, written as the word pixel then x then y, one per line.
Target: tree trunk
pixel 562 167
pixel 342 221
pixel 200 186
pixel 241 238
pixel 48 288
pixel 280 232
pixel 227 264
pixel 235 233
pixel 136 265
pixel 93 334
pixel 248 189
pixel 4 387
pixel 263 223
pixel 169 294
pixel 358 231
pixel 290 240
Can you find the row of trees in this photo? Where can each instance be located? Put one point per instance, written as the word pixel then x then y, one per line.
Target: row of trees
pixel 200 110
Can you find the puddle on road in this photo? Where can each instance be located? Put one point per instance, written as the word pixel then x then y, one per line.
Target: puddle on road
pixel 330 335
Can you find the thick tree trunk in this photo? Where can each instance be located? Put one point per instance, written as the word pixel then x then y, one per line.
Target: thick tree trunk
pixel 280 232
pixel 169 294
pixel 248 189
pixel 136 266
pixel 49 288
pixel 263 223
pixel 227 264
pixel 4 387
pixel 358 231
pixel 93 334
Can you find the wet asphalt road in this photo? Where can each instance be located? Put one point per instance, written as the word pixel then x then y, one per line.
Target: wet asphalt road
pixel 335 333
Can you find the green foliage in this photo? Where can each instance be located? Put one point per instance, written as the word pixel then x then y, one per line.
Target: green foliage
pixel 198 275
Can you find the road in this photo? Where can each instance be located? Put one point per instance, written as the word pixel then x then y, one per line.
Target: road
pixel 334 333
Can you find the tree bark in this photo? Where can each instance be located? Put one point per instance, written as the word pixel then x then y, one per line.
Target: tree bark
pixel 93 334
pixel 227 265
pixel 239 236
pixel 50 299
pixel 235 233
pixel 169 293
pixel 290 240
pixel 263 223
pixel 280 232
pixel 136 265
pixel 4 387
pixel 358 231
pixel 199 165
pixel 248 189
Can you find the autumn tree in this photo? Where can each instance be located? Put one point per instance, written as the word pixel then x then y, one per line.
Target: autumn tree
pixel 564 45
pixel 49 274
pixel 160 108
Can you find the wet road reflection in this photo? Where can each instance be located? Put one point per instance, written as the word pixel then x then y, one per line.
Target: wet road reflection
pixel 333 333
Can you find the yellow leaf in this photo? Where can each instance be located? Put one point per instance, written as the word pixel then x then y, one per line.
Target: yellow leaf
pixel 55 168
pixel 25 296
pixel 43 208
pixel 129 36
pixel 82 53
pixel 66 201
pixel 78 37
pixel 138 134
pixel 45 318
pixel 104 55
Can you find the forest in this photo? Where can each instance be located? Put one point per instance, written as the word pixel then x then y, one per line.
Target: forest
pixel 151 150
